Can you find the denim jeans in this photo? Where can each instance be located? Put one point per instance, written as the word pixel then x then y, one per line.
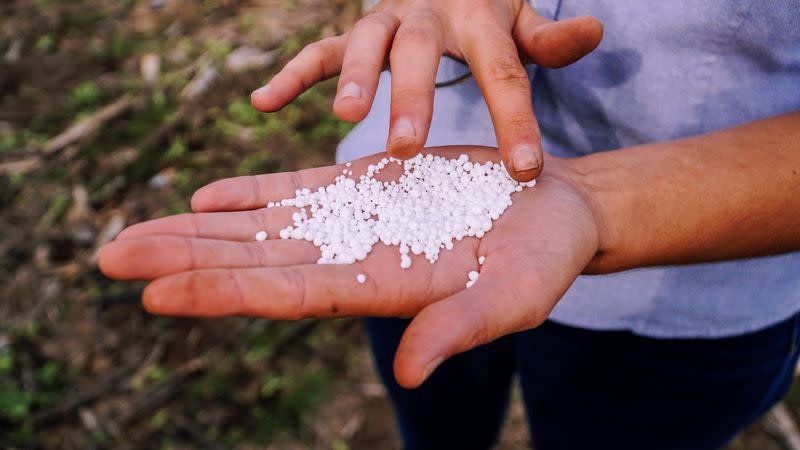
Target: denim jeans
pixel 587 390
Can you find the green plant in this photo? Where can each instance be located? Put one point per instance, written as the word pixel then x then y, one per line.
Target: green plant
pixel 46 42
pixel 86 94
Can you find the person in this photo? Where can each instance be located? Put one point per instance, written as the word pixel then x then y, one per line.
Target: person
pixel 646 292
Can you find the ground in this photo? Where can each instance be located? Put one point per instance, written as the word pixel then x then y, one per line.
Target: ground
pixel 114 112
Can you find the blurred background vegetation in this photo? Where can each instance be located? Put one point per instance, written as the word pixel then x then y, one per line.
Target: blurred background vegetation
pixel 113 112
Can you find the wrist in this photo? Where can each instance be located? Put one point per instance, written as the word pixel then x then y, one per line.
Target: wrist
pixel 590 176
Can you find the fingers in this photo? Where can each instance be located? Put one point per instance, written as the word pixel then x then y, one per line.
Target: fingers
pixel 495 63
pixel 364 58
pixel 293 292
pixel 256 191
pixel 316 62
pixel 556 44
pixel 230 226
pixel 305 290
pixel 502 301
pixel 414 60
pixel 151 257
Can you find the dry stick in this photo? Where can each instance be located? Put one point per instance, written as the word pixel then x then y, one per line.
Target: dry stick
pixel 149 361
pixel 21 167
pixel 204 78
pixel 781 423
pixel 82 129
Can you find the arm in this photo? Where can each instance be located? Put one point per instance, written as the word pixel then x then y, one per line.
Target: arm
pixel 699 199
pixel 725 195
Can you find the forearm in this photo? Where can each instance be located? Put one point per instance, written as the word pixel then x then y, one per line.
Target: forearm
pixel 726 195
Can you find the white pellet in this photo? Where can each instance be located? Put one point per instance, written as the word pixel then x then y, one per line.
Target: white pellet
pixel 261 235
pixel 473 275
pixel 348 217
pixel 361 278
pixel 481 259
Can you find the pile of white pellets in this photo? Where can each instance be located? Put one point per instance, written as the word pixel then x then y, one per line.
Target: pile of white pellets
pixel 435 202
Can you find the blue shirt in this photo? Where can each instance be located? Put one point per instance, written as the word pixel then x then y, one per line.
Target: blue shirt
pixel 664 70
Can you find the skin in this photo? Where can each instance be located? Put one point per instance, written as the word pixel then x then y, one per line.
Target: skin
pixel 209 264
pixel 725 195
pixel 493 37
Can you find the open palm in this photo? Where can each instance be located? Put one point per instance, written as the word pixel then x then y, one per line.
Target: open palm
pixel 208 264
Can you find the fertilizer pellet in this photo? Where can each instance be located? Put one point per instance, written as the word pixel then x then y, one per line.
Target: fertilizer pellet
pixel 261 235
pixel 481 259
pixel 361 278
pixel 435 202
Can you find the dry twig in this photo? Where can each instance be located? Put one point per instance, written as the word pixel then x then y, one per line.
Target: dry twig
pixel 84 128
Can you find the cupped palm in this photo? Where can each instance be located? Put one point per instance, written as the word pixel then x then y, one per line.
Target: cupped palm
pixel 208 263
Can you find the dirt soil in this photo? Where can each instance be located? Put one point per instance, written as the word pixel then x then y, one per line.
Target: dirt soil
pixel 113 112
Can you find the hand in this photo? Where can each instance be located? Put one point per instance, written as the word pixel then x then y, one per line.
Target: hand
pixel 490 36
pixel 208 264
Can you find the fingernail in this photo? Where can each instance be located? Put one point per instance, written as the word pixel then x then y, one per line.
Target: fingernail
pixel 403 129
pixel 524 158
pixel 261 91
pixel 431 367
pixel 349 90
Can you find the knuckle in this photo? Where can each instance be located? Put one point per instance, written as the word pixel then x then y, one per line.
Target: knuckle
pixel 258 254
pixel 477 7
pixel 313 50
pixel 415 35
pixel 318 54
pixel 507 68
pixel 239 298
pixel 296 180
pixel 295 282
pixel 190 254
pixel 260 217
pixel 255 185
pixel 413 96
pixel 377 21
pixel 323 46
pixel 370 63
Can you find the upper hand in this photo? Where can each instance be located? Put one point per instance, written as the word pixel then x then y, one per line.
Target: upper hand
pixel 208 264
pixel 489 35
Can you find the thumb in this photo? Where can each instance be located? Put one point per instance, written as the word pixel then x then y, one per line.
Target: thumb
pixel 490 309
pixel 555 44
